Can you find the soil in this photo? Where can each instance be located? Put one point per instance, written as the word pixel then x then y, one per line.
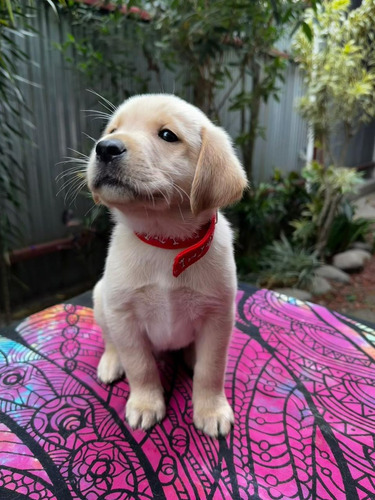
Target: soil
pixel 356 299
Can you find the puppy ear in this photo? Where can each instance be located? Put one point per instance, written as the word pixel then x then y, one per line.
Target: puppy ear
pixel 219 178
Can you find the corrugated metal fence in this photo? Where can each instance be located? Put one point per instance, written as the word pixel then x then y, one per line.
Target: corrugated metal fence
pixel 59 101
pixel 285 142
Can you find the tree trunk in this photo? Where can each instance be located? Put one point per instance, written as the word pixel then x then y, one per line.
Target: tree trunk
pixel 326 224
pixel 203 94
pixel 247 148
pixel 249 145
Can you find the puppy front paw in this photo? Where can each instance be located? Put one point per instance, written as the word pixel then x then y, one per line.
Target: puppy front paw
pixel 213 415
pixel 145 410
pixel 109 368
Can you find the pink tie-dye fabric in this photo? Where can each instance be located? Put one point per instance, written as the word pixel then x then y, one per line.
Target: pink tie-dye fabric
pixel 300 378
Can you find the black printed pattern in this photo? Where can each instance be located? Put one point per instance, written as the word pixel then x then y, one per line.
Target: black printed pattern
pixel 301 381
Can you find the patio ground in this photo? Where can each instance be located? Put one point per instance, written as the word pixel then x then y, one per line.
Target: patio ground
pixel 357 298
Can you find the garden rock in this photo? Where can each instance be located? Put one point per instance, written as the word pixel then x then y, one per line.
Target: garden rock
pixel 320 285
pixel 297 293
pixel 351 260
pixel 362 245
pixel 333 273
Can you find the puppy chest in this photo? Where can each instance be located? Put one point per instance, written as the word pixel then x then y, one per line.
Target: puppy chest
pixel 168 316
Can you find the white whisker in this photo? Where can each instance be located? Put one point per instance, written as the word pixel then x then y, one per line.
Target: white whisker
pixel 111 106
pixel 68 183
pixel 182 215
pixel 98 113
pixel 71 186
pixel 164 196
pixel 89 137
pixel 181 192
pixel 90 209
pixel 72 172
pixel 150 195
pixel 106 107
pixel 80 165
pixel 175 187
pixel 78 161
pixel 73 192
pixel 78 153
pixel 78 190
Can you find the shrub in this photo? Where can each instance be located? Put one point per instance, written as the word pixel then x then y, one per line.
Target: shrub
pixel 327 188
pixel 346 230
pixel 283 264
pixel 267 212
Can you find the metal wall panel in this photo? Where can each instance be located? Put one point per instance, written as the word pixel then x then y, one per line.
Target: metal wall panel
pixel 360 148
pixel 58 98
pixel 54 98
pixel 285 142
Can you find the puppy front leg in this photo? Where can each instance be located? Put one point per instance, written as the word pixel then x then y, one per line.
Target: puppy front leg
pixel 212 413
pixel 145 406
pixel 110 367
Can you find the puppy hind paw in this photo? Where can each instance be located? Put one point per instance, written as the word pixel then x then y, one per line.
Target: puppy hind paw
pixel 215 418
pixel 109 368
pixel 143 412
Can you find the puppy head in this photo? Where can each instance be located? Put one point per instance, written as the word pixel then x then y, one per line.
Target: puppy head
pixel 159 152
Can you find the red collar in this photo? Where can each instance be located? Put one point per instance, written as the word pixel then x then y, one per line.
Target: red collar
pixel 195 247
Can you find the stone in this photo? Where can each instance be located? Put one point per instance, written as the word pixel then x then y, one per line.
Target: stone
pixel 297 293
pixel 320 285
pixel 333 273
pixel 361 245
pixel 351 260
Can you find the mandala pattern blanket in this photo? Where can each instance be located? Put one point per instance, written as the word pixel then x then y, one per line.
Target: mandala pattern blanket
pixel 301 381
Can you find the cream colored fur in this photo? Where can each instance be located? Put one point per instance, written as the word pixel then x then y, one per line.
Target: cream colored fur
pixel 168 189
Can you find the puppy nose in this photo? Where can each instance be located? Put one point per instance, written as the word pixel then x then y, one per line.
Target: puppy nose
pixel 107 149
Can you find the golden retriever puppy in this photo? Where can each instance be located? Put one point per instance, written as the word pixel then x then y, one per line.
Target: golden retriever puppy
pixel 164 170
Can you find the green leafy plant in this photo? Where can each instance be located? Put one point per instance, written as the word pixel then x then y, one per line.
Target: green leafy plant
pixel 267 212
pixel 347 229
pixel 106 47
pixel 338 62
pixel 339 67
pixel 327 187
pixel 283 264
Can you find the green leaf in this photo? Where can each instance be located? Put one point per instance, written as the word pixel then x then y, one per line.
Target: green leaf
pixel 307 30
pixel 10 11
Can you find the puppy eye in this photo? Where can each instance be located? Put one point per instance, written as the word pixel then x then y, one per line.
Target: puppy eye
pixel 167 135
pixel 113 130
